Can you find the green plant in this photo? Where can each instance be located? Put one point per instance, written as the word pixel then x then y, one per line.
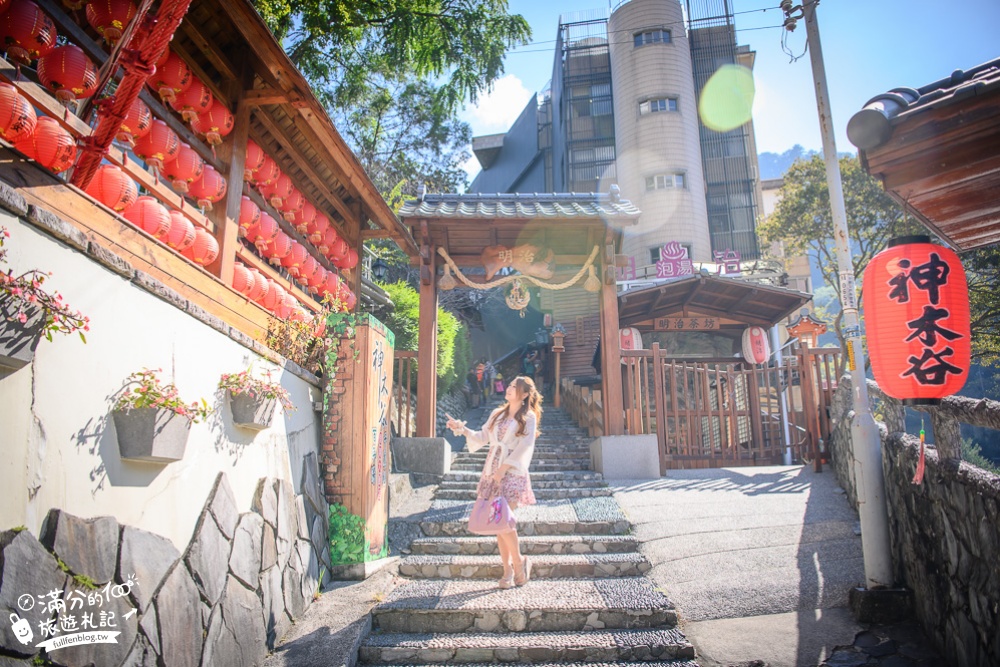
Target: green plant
pixel 83 581
pixel 245 383
pixel 27 293
pixel 19 529
pixel 301 342
pixel 319 584
pixel 347 536
pixel 973 453
pixel 150 392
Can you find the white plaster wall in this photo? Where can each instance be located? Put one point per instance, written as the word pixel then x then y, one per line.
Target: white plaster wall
pixel 662 142
pixel 58 441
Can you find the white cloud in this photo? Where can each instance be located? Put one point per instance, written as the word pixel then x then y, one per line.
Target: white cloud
pixel 496 111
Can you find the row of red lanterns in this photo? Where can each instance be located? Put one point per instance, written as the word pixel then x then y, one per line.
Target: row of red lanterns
pixel 270 295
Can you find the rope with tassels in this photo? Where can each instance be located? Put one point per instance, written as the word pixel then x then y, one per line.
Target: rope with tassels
pixel 592 284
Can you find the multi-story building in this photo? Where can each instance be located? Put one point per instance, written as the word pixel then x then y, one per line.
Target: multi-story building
pixel 622 108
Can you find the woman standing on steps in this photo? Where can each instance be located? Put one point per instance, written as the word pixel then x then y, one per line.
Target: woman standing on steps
pixel 510 432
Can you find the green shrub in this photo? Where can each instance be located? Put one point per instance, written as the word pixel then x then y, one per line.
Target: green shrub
pixel 973 453
pixel 347 536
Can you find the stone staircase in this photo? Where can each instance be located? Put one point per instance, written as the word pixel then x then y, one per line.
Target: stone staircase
pixel 588 600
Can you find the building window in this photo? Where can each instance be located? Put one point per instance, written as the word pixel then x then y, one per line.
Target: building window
pixel 654 252
pixel 652 37
pixel 665 181
pixel 659 104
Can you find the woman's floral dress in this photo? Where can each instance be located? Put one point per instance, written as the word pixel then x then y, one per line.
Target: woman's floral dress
pixel 515 487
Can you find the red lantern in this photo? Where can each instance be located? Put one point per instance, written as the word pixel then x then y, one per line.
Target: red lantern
pixel 349 300
pixel 338 251
pixel 328 240
pixel 137 123
pixel 159 146
pixel 916 302
pixel 266 174
pixel 295 259
pixel 205 248
pixel 68 72
pixel 350 260
pixel 186 168
pixel 249 215
pixel 113 188
pixel 196 99
pixel 308 269
pixel 208 189
pixel 260 286
pixel 304 217
pixel 298 314
pixel 755 347
pixel 317 229
pixel 278 248
pixel 49 145
pixel 17 116
pixel 291 205
pixel 331 286
pixel 277 191
pixel 263 231
pixel 172 77
pixel 317 279
pixel 26 32
pixel 254 160
pixel 213 124
pixel 149 215
pixel 242 279
pixel 274 297
pixel 110 17
pixel 288 306
pixel 182 232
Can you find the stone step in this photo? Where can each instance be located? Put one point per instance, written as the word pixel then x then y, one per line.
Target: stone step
pixel 538 456
pixel 571 566
pixel 671 663
pixel 454 484
pixel 544 466
pixel 540 494
pixel 568 476
pixel 589 648
pixel 531 545
pixel 528 528
pixel 541 605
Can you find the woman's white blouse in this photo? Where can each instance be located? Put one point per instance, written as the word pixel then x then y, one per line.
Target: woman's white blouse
pixel 516 450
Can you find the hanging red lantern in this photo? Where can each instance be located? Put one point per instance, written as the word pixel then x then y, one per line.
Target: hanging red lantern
pixel 149 215
pixel 266 174
pixel 308 268
pixel 242 279
pixel 17 116
pixel 172 77
pixel 263 231
pixel 110 17
pixel 317 229
pixel 194 100
pixel 338 251
pixel 182 232
pixel 26 32
pixel 755 347
pixel 287 307
pixel 349 260
pixel 159 146
pixel 254 160
pixel 49 145
pixel 327 241
pixel 291 205
pixel 304 217
pixel 208 189
pixel 213 124
pixel 137 123
pixel 205 248
pixel 330 286
pixel 274 296
pixel 249 215
pixel 68 72
pixel 293 262
pixel 113 188
pixel 186 168
pixel 278 190
pixel 916 303
pixel 317 279
pixel 259 288
pixel 278 248
pixel 350 301
pixel 298 314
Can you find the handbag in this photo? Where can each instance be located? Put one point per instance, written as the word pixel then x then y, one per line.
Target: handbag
pixel 491 517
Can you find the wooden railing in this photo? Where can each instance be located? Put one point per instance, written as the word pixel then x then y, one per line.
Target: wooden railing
pixel 585 406
pixel 405 419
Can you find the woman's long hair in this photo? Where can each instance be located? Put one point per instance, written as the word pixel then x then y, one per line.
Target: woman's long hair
pixel 532 403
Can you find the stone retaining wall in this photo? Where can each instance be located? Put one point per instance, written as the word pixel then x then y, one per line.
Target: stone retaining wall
pixel 240 583
pixel 945 538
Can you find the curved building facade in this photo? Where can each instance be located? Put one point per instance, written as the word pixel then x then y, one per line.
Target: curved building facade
pixel 659 163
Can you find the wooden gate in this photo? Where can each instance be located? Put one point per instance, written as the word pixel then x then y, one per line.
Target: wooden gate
pixel 724 412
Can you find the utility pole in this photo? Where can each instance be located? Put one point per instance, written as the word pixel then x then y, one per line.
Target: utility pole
pixel 869 477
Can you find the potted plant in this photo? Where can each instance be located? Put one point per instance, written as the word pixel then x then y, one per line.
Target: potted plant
pixel 252 399
pixel 27 312
pixel 152 421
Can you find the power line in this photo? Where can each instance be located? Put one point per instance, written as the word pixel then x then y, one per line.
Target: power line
pixel 515 52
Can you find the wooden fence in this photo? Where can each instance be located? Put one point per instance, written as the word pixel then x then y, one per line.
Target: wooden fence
pixel 401 413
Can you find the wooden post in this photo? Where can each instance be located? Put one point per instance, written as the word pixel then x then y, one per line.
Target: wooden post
pixel 614 418
pixel 661 407
pixel 558 353
pixel 427 343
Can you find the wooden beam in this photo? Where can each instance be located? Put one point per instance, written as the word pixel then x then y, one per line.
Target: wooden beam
pixel 219 61
pixel 427 351
pixel 217 90
pixel 376 234
pixel 356 284
pixel 248 257
pixel 260 97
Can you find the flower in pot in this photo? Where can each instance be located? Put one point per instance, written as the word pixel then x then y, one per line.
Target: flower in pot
pixel 28 311
pixel 253 399
pixel 152 421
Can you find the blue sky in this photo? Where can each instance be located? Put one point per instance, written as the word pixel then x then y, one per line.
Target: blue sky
pixel 869 46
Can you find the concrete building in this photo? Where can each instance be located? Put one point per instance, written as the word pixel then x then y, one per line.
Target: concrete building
pixel 622 108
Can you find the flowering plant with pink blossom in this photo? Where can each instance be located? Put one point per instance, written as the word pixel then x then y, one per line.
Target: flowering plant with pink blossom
pixel 257 388
pixel 143 389
pixel 26 293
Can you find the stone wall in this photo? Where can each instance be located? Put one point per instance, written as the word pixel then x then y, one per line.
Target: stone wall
pixel 235 589
pixel 945 537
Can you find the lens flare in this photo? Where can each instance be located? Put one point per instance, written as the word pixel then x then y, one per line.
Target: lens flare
pixel 727 99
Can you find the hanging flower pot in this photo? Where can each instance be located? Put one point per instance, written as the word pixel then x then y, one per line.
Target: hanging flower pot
pixel 136 125
pixel 252 412
pixel 213 124
pixel 113 188
pixel 172 77
pixel 68 73
pixel 17 116
pixel 110 17
pixel 49 145
pixel 26 32
pixel 253 400
pixel 18 339
pixel 196 99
